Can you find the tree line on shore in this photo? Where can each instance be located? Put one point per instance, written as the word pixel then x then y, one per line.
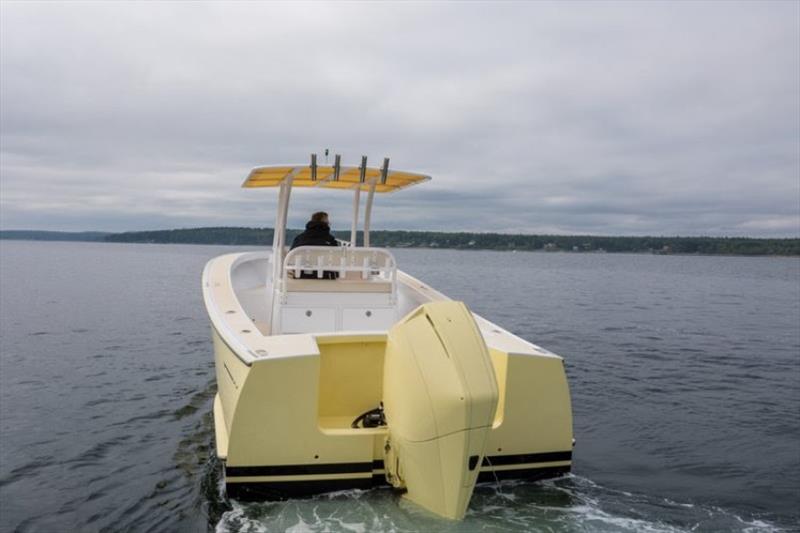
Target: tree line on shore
pixel 438 239
pixel 486 241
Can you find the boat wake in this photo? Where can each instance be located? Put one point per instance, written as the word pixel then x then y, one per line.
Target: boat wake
pixel 568 504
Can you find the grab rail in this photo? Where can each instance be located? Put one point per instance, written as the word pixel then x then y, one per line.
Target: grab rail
pixel 370 262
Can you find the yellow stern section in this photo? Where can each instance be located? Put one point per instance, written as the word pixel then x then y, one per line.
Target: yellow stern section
pixel 458 411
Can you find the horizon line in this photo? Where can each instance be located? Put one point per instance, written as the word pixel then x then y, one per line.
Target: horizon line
pixel 797 237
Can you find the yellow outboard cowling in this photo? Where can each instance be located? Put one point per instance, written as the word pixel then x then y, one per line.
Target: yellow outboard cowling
pixel 440 395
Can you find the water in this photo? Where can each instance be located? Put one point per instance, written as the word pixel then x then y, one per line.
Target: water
pixel 685 378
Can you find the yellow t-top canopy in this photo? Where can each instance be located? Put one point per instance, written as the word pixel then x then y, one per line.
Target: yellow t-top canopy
pixel 349 177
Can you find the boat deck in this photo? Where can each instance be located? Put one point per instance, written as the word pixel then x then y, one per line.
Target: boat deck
pixel 242 294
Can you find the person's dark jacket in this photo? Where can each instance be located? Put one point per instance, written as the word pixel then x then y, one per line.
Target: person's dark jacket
pixel 316 234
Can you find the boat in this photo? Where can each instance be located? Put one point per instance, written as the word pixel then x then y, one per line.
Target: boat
pixel 370 376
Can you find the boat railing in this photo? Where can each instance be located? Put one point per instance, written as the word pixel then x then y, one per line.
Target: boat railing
pixel 373 265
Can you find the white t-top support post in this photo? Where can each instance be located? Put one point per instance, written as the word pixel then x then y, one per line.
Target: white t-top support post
pixel 354 227
pixel 289 181
pixel 276 233
pixel 368 212
pixel 279 238
pixel 362 176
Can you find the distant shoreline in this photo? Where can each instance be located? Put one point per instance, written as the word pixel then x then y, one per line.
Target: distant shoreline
pixel 239 236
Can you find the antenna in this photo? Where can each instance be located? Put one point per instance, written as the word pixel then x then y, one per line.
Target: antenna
pixel 363 176
pixel 385 170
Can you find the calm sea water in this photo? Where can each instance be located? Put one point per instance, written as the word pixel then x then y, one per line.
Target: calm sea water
pixel 685 378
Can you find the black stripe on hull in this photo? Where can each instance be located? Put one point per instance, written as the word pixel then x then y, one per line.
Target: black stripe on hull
pixel 528 474
pixel 282 490
pixel 364 468
pixel 379 480
pixel 526 458
pixel 300 470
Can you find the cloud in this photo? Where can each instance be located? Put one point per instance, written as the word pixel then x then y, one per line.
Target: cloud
pixel 656 118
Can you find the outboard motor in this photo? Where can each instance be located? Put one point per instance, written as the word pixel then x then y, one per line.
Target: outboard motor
pixel 440 396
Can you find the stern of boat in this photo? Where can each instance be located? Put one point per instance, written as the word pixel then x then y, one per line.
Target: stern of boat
pixel 286 403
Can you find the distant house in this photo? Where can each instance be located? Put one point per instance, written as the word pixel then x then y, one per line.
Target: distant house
pixel 664 250
pixel 550 247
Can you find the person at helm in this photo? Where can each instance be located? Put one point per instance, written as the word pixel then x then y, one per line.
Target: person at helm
pixel 317 233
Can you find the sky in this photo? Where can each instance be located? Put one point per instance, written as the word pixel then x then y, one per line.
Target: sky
pixel 633 118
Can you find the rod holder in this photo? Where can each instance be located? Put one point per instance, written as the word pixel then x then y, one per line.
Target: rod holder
pixel 337 161
pixel 363 177
pixel 385 170
pixel 313 167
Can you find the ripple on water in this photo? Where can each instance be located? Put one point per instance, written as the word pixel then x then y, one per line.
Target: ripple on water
pixel 97 452
pixel 568 504
pixel 28 469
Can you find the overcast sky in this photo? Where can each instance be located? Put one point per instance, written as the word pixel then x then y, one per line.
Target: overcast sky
pixel 598 118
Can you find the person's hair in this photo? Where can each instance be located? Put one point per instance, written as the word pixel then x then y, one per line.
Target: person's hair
pixel 319 216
